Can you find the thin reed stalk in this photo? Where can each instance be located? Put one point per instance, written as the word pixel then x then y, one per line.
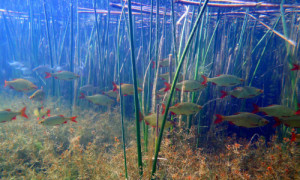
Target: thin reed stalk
pixel 120 94
pixel 50 47
pixel 136 100
pixel 157 146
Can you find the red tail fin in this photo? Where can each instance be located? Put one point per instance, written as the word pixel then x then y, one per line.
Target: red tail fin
pixel 168 86
pixel 293 137
pixel 298 111
pixel 48 113
pixel 82 96
pixel 5 83
pixel 224 94
pixel 73 119
pixel 256 108
pixel 23 114
pixel 296 67
pixel 164 108
pixel 278 122
pixel 153 64
pixel 219 119
pixel 141 116
pixel 204 79
pixel 115 86
pixel 48 75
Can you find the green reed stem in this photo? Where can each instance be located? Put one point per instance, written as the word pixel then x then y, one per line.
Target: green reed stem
pixel 120 94
pixel 50 47
pixel 157 147
pixel 136 100
pixel 174 32
pixel 258 63
pixel 71 52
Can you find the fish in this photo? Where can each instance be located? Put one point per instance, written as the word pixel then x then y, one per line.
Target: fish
pixel 98 99
pixel 7 115
pixel 243 119
pixel 111 93
pixel 41 112
pixel 151 121
pixel 166 76
pixel 187 85
pixel 275 110
pixel 152 118
pixel 21 85
pixel 62 75
pixel 38 95
pixel 89 88
pixel 243 92
pixel 127 89
pixel 57 120
pixel 291 121
pixel 296 67
pixel 16 64
pixel 185 108
pixel 42 69
pixel 223 80
pixel 164 62
pixel 26 71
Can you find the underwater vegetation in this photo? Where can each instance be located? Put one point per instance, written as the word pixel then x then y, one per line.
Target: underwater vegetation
pixel 122 89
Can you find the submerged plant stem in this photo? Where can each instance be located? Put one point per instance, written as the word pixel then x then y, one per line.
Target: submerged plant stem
pixel 136 100
pixel 157 146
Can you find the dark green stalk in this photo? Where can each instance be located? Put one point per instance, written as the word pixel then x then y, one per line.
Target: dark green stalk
pixel 71 52
pixel 136 100
pixel 150 59
pixel 157 147
pixel 145 127
pixel 120 94
pixel 50 47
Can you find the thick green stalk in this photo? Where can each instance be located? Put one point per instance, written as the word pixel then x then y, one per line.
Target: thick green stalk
pixel 136 100
pixel 157 147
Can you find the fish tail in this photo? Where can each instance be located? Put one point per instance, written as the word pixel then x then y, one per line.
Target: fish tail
pixel 168 86
pixel 141 116
pixel 224 94
pixel 204 79
pixel 82 96
pixel 295 67
pixel 298 111
pixel 153 64
pixel 164 108
pixel 278 122
pixel 73 119
pixel 23 114
pixel 293 137
pixel 219 119
pixel 115 86
pixel 256 108
pixel 5 83
pixel 48 75
pixel 48 112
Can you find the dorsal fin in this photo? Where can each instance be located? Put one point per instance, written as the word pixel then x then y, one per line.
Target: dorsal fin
pixel 7 109
pixel 176 105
